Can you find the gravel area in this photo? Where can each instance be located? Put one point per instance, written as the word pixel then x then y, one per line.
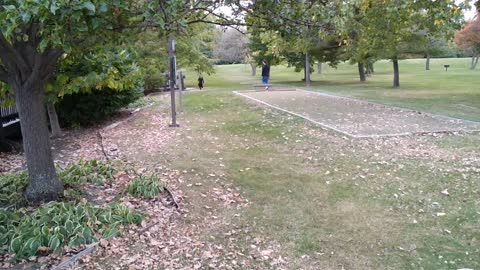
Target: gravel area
pixel 357 118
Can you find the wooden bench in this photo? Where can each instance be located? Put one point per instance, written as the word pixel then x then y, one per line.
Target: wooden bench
pixel 255 86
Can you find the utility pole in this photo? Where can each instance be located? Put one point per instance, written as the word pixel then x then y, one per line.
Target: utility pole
pixel 172 77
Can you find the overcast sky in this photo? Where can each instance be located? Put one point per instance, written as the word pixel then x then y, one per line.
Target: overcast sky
pixel 469 14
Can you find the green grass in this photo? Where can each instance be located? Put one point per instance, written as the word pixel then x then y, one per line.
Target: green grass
pixel 454 93
pixel 357 204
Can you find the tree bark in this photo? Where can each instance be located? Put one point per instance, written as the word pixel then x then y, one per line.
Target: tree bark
pixel 254 69
pixel 396 74
pixel 44 184
pixel 369 68
pixel 361 72
pixel 319 67
pixel 307 69
pixel 427 64
pixel 56 131
pixel 474 61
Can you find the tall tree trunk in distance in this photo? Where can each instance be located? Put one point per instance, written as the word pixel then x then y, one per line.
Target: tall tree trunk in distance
pixel 53 117
pixel 44 184
pixel 307 69
pixel 396 74
pixel 474 61
pixel 370 68
pixel 361 72
pixel 254 68
pixel 319 67
pixel 427 64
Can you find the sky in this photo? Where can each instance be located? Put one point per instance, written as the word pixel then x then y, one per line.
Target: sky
pixel 469 14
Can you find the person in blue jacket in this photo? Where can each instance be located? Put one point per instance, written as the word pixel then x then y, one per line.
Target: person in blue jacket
pixel 265 73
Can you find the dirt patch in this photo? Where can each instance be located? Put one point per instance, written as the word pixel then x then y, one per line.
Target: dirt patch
pixel 356 118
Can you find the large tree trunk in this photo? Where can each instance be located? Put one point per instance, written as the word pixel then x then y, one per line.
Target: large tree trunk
pixel 396 74
pixel 44 185
pixel 53 117
pixel 319 67
pixel 307 69
pixel 254 68
pixel 427 64
pixel 361 72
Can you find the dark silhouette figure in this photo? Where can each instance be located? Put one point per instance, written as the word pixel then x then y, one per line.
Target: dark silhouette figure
pixel 200 82
pixel 265 73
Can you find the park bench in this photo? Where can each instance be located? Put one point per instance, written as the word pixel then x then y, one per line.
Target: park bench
pixel 9 120
pixel 8 115
pixel 255 86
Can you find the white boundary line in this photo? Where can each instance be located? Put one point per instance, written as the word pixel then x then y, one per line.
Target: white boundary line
pixel 347 133
pixel 444 117
pixel 296 114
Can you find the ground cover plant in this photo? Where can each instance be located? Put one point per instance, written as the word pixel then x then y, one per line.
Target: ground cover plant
pixel 145 186
pixel 28 231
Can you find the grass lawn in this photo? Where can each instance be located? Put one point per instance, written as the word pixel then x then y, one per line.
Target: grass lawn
pixel 454 93
pixel 330 202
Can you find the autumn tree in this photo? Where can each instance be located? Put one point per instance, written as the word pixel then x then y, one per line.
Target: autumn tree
pixel 468 38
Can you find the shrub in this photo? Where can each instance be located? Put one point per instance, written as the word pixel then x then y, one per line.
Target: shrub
pixel 52 226
pixel 145 186
pixel 85 109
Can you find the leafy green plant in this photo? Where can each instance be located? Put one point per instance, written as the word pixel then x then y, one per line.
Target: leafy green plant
pixel 84 109
pixel 145 186
pixel 11 188
pixel 90 171
pixel 52 226
pixel 13 185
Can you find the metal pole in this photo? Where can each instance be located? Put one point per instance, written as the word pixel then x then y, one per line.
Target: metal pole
pixel 171 56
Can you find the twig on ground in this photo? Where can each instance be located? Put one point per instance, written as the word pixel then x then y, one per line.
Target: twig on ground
pixel 100 137
pixel 70 262
pixel 172 198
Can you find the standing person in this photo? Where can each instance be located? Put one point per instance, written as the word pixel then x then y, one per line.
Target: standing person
pixel 265 73
pixel 200 82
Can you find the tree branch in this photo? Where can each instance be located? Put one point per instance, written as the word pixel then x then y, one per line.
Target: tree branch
pixel 14 56
pixel 4 75
pixel 51 64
